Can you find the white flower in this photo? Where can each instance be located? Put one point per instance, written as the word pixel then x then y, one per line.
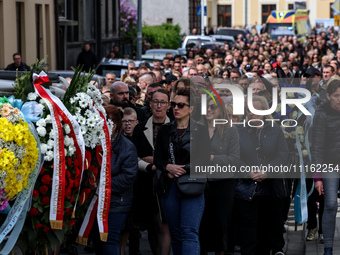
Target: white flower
pixel 91 122
pixel 41 101
pixel 48 119
pixel 41 123
pixel 51 134
pixel 32 96
pixel 68 141
pixel 88 113
pixel 294 115
pixel 50 144
pixel 77 110
pixel 72 100
pixel 83 130
pixel 83 103
pixel 292 135
pixel 44 148
pixel 41 131
pixel 81 120
pixel 49 156
pixel 304 153
pixel 41 106
pixel 299 130
pixel 290 94
pixel 67 129
pixel 71 151
pixel 302 138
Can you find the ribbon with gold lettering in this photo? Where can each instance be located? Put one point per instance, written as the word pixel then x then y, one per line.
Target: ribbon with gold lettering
pixel 104 184
pixel 58 180
pixel 59 109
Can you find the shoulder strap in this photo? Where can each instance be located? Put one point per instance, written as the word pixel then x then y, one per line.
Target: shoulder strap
pixel 171 148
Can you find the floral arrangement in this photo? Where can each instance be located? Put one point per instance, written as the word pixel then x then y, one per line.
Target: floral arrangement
pixel 128 17
pixel 87 107
pixel 18 153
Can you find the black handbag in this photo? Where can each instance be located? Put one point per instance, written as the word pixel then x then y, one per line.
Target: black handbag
pixel 191 187
pixel 188 186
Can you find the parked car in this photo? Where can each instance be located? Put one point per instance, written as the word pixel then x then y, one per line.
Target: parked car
pixel 196 41
pixel 231 31
pixel 212 45
pixel 225 38
pixel 69 74
pixel 7 80
pixel 117 66
pixel 158 54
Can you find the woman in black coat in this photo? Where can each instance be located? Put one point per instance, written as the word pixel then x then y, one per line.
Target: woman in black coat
pixel 219 195
pixel 325 151
pixel 260 224
pixel 174 158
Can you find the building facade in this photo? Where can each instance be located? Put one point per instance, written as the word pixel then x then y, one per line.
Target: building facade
pixel 183 13
pixel 28 27
pixel 92 21
pixel 240 13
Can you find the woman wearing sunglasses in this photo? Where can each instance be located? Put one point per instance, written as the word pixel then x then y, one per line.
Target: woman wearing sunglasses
pixel 172 157
pixel 219 196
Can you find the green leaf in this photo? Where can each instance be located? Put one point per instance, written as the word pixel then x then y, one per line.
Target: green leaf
pixel 60 234
pixel 52 238
pixel 67 204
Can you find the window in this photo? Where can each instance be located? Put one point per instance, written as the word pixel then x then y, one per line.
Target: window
pixel 266 10
pixel 331 15
pixel 39 32
pixel 20 26
pixel 224 15
pixel 72 14
pixel 62 8
pixel 169 20
pixel 290 6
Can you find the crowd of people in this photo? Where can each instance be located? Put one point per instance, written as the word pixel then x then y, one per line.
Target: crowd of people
pixel 157 115
pixel 160 133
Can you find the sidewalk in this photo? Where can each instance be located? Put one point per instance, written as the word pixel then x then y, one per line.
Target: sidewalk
pixel 295 240
pixel 315 248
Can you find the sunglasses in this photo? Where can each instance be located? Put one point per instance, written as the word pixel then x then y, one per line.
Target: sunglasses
pixel 211 106
pixel 179 105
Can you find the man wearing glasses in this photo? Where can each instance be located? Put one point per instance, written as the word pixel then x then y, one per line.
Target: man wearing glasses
pixel 192 72
pixel 147 206
pixel 235 76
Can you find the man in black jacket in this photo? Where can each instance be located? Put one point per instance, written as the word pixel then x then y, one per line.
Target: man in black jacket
pixel 18 64
pixel 87 58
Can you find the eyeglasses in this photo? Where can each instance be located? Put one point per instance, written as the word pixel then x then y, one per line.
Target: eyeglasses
pixel 162 103
pixel 128 121
pixel 212 107
pixel 179 105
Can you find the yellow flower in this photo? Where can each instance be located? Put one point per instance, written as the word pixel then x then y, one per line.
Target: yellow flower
pixel 20 134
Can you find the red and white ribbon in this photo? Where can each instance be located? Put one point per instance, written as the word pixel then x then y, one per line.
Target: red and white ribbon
pixel 104 184
pixel 58 178
pixel 57 109
pixel 87 224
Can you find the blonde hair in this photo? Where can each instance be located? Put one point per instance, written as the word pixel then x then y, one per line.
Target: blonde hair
pixel 264 104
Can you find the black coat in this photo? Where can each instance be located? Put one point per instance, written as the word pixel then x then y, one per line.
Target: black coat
pixel 196 138
pixel 22 67
pixel 123 174
pixel 274 152
pixel 226 150
pixel 88 59
pixel 325 147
